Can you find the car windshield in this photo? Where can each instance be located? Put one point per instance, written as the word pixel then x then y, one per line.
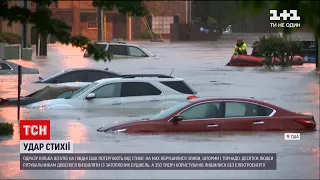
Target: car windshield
pixel 146 50
pixel 36 93
pixel 82 90
pixel 169 111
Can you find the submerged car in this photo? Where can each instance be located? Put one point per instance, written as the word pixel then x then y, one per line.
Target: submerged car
pixel 219 114
pixel 49 92
pixel 8 67
pixel 129 93
pixel 78 75
pixel 123 50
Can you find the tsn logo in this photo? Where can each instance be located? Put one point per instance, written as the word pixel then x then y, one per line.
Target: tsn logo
pixel 35 130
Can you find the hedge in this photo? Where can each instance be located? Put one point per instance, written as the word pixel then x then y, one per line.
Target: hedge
pixel 6 128
pixel 10 38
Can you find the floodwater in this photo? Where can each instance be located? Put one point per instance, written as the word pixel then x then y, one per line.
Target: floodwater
pixel 202 65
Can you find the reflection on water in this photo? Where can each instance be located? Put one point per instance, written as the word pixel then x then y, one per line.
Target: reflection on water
pixel 314 87
pixel 15 139
pixel 9 114
pixel 76 132
pixel 23 63
pixel 10 169
pixel 75 174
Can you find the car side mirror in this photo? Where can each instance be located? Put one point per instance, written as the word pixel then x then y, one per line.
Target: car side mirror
pixel 90 96
pixel 177 118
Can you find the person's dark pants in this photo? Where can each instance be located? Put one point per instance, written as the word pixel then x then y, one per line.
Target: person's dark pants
pixel 254 54
pixel 244 53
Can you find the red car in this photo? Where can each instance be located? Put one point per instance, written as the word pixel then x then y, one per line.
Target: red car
pixel 219 114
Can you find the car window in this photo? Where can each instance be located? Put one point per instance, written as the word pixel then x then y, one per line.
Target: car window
pixel 240 109
pixel 202 111
pixel 108 91
pixel 83 90
pixel 170 110
pixel 97 75
pixel 66 94
pixel 118 50
pixel 179 86
pixel 138 89
pixel 146 50
pixel 77 76
pixel 103 46
pixel 264 111
pixel 4 66
pixel 134 51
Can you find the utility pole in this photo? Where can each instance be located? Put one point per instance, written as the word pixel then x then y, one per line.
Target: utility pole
pixel 41 47
pixel 24 37
pixel 100 24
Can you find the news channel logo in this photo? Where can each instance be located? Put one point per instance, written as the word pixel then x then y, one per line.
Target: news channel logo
pixel 35 138
pixel 292 136
pixel 286 16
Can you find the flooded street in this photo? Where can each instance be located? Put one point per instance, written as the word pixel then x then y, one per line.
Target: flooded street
pixel 202 65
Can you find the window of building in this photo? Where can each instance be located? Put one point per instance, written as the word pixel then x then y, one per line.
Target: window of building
pixel 161 24
pixel 90 19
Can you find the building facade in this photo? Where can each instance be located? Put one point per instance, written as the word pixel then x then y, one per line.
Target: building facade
pixel 82 17
pixel 16 28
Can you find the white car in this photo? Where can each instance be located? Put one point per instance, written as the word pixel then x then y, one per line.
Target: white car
pixel 124 50
pixel 127 92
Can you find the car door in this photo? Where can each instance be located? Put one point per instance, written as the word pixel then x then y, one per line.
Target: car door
pixel 5 69
pixel 202 117
pixel 73 76
pixel 135 52
pixel 118 51
pixel 242 116
pixel 141 97
pixel 106 97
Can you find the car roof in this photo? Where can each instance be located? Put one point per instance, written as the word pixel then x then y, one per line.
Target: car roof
pixel 144 79
pixel 72 84
pixel 7 62
pixel 87 69
pixel 252 100
pixel 118 43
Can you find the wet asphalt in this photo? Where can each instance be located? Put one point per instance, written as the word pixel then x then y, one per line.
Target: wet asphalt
pixel 202 65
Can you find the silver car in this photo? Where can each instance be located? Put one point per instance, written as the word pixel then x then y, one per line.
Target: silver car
pixel 8 67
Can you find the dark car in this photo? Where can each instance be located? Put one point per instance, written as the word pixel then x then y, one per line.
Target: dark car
pixel 78 75
pixel 219 114
pixel 49 92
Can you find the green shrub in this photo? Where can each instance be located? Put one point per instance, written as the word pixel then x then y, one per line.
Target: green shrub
pixel 2 40
pixel 11 38
pixel 271 47
pixel 142 35
pixel 6 128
